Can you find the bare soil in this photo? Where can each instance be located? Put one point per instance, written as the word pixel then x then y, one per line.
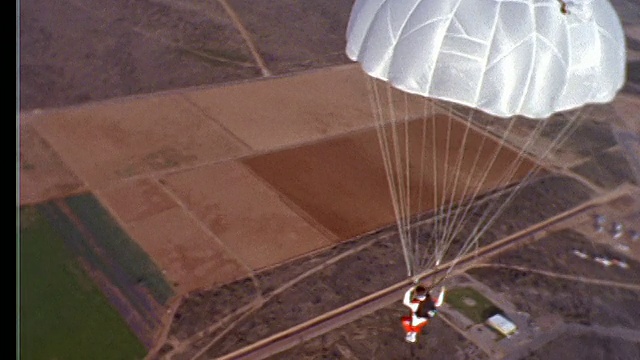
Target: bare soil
pixel 302 289
pixel 607 169
pixel 587 346
pixel 341 182
pixel 576 301
pixel 86 51
pixel 42 173
pixel 380 336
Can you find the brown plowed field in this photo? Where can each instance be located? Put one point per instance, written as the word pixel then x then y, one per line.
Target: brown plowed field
pixel 341 182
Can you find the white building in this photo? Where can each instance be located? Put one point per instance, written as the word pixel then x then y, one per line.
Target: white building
pixel 502 325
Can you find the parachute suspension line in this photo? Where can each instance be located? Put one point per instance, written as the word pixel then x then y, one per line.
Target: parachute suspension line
pixel 453 224
pixel 477 187
pixel 434 238
pixel 562 136
pixel 440 233
pixel 426 111
pixel 479 229
pixel 434 159
pixel 565 133
pixel 437 237
pixel 446 225
pixel 457 226
pixel 449 224
pixel 405 122
pixel 468 185
pixel 508 176
pixel 435 196
pixel 376 107
pixel 402 188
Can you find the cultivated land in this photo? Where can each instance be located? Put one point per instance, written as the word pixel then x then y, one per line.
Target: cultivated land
pixel 64 313
pixel 221 187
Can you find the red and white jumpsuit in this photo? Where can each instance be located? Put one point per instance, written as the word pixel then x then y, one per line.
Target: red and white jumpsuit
pixel 413 324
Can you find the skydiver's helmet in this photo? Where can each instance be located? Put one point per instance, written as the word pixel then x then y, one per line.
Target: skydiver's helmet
pixel 420 293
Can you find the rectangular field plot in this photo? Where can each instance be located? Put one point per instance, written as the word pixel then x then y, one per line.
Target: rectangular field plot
pixel 342 183
pixel 130 280
pixel 472 304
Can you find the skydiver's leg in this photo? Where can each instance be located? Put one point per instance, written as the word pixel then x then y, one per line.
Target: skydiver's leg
pixel 406 324
pixel 410 333
pixel 418 328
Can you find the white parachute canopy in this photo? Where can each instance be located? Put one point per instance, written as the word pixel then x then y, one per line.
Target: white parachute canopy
pixel 506 57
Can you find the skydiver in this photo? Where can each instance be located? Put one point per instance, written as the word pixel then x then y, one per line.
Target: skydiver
pixel 423 308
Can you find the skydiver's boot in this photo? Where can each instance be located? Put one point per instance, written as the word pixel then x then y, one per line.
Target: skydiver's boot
pixel 411 337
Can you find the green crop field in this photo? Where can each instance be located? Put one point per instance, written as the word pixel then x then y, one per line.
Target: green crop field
pixel 63 315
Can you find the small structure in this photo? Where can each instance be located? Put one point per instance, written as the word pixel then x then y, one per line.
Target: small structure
pixel 603 260
pixel 622 247
pixel 598 222
pixel 620 263
pixel 634 235
pixel 580 254
pixel 617 230
pixel 502 325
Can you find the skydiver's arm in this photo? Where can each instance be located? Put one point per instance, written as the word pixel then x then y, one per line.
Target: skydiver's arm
pixel 407 297
pixel 440 297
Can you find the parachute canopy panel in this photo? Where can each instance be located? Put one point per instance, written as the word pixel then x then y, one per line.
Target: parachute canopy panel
pixel 506 57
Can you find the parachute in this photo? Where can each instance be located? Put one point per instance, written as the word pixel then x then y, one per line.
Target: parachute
pixel 479 66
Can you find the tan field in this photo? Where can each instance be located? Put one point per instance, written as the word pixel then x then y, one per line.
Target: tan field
pixel 216 183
